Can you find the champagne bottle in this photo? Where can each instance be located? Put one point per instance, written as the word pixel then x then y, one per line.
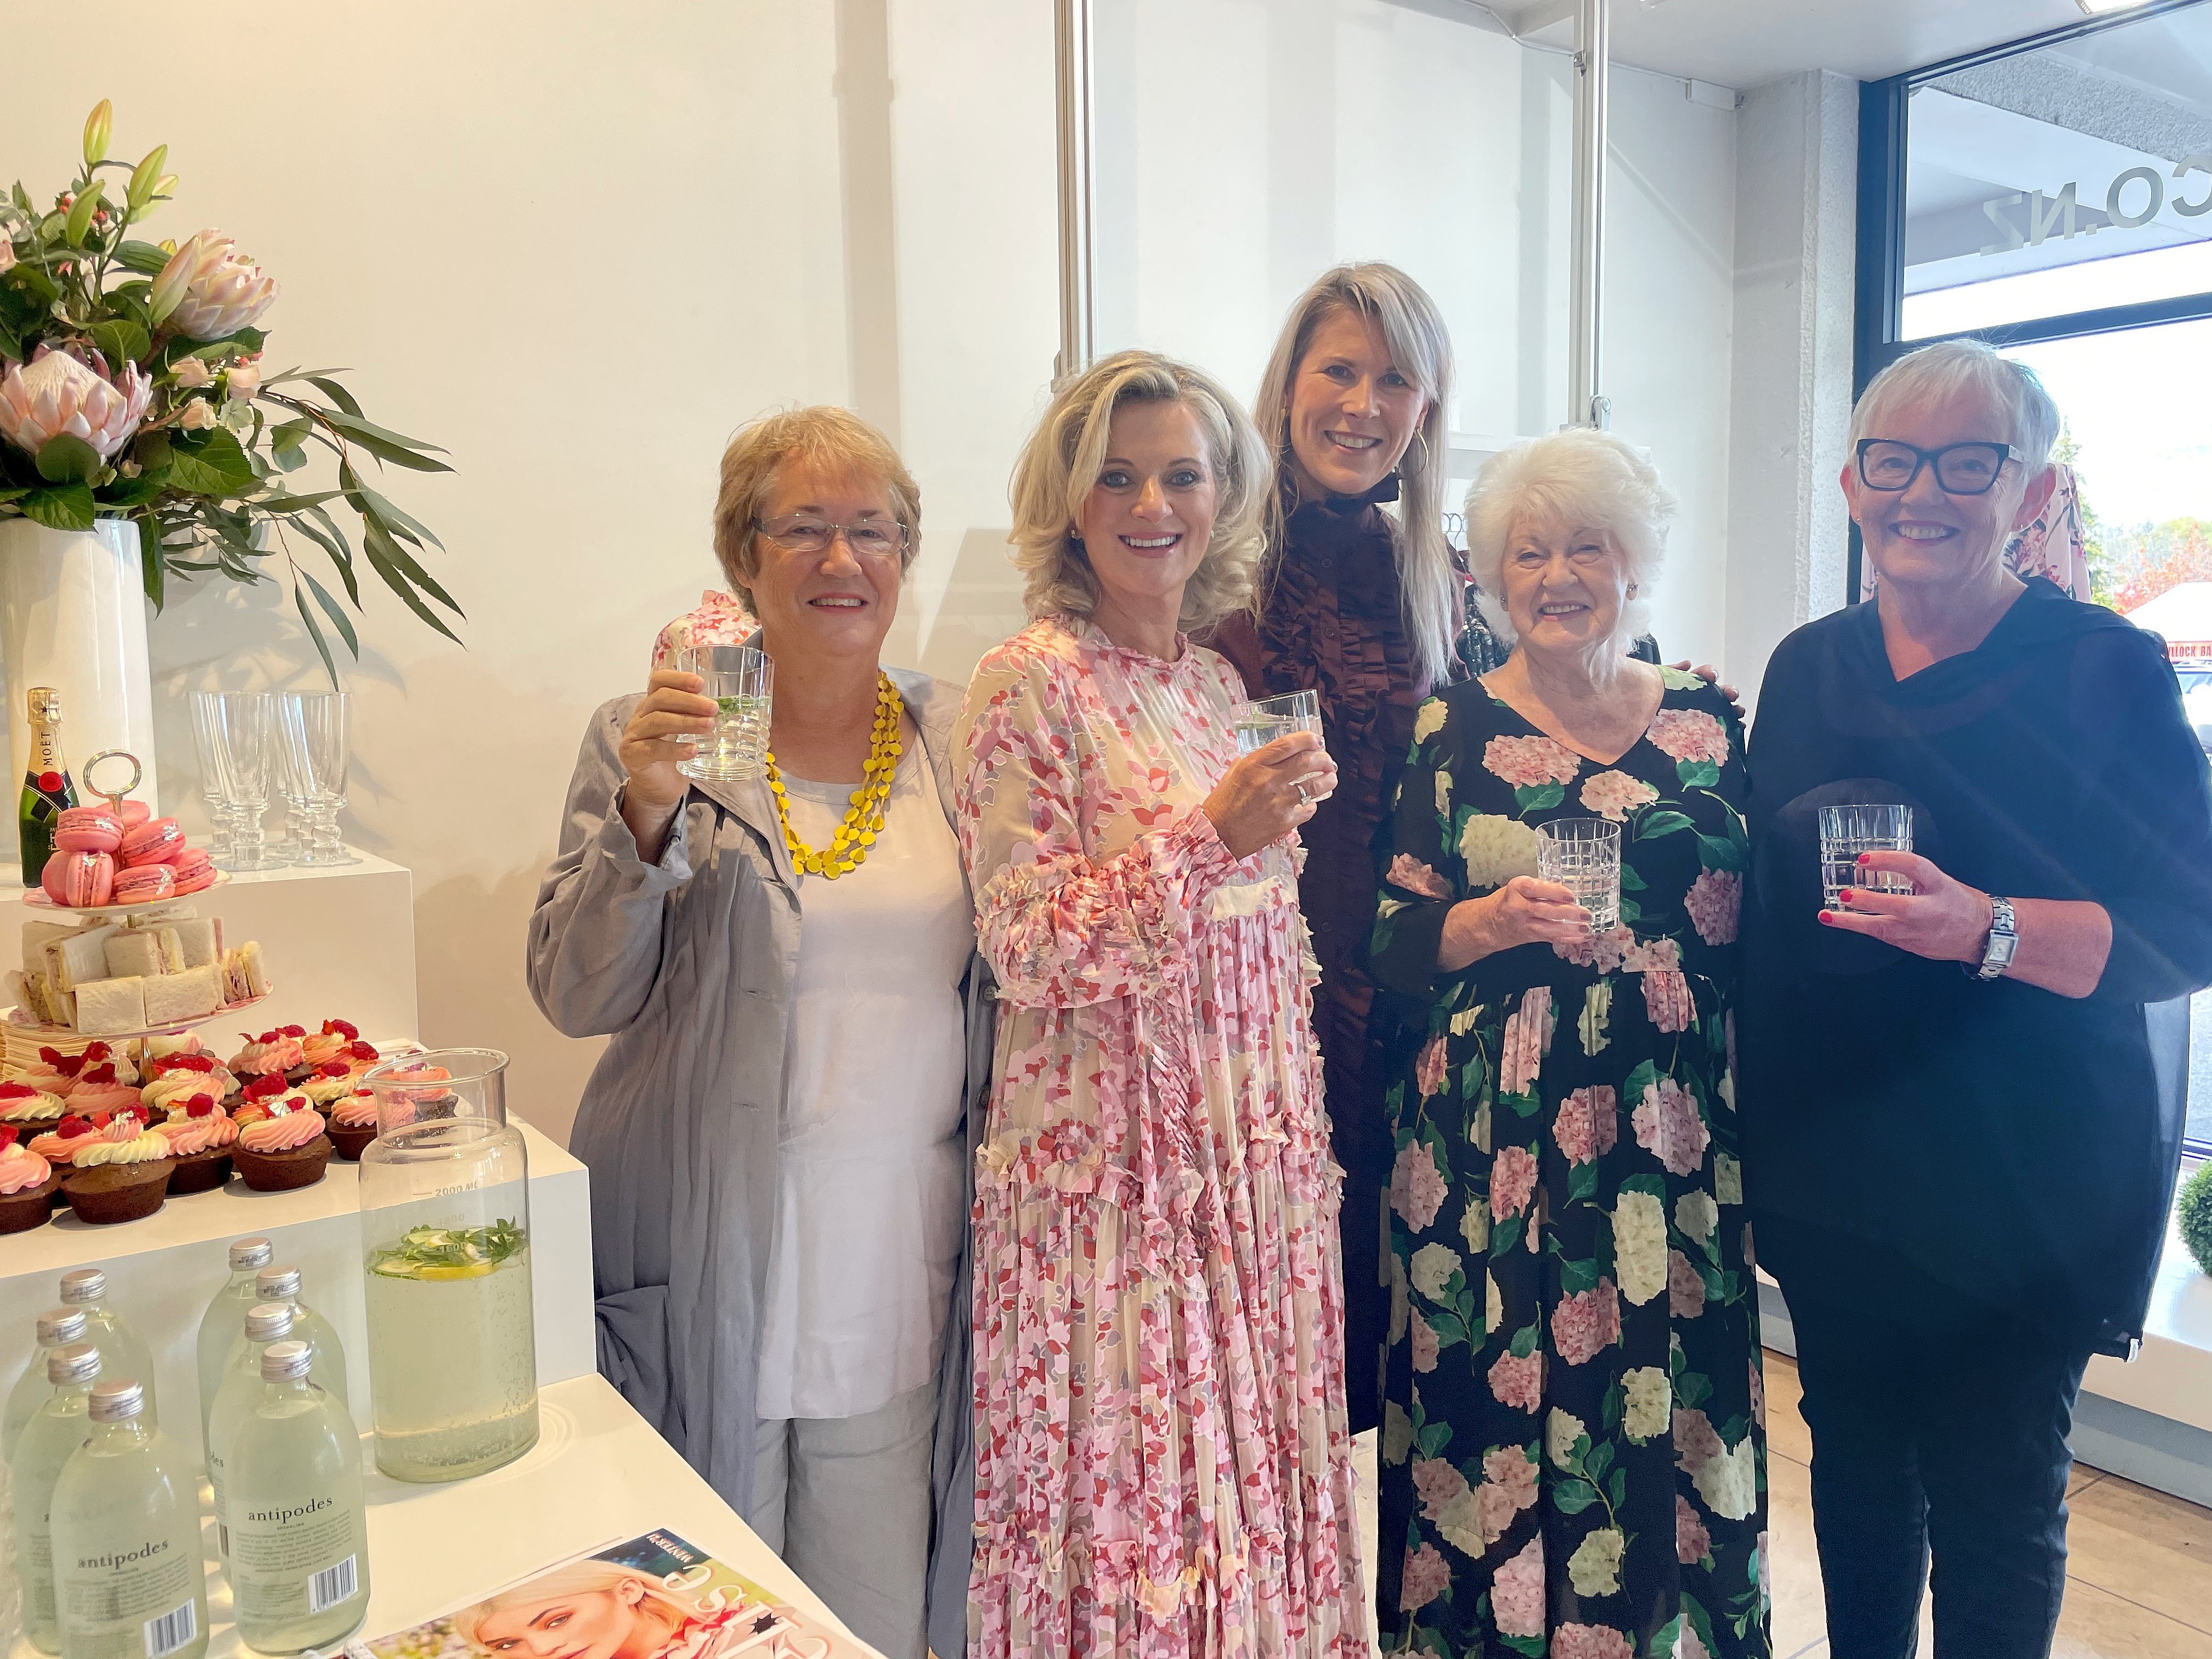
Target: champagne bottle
pixel 299 1542
pixel 46 786
pixel 225 1317
pixel 123 1352
pixel 128 1576
pixel 57 1430
pixel 57 1329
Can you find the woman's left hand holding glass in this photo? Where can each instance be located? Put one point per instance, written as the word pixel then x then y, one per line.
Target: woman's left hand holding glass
pixel 1943 920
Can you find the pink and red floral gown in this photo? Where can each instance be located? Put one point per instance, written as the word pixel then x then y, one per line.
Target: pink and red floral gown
pixel 1162 1464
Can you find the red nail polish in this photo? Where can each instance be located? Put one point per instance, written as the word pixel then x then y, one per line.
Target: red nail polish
pixel 1866 858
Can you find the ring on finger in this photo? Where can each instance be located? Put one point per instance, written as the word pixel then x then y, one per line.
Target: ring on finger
pixel 1305 800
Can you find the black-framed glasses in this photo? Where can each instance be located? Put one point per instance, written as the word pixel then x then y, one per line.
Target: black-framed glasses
pixel 1968 469
pixel 880 538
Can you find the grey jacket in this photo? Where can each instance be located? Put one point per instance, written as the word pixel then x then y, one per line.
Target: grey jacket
pixel 687 964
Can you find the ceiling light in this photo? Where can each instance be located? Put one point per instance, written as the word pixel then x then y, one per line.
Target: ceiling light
pixel 2099 7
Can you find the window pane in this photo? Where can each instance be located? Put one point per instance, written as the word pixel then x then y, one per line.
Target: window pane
pixel 2069 178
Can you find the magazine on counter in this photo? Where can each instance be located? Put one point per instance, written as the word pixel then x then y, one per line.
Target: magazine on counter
pixel 654 1597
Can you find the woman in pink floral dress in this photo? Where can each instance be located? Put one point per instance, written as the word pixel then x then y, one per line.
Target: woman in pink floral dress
pixel 1161 1465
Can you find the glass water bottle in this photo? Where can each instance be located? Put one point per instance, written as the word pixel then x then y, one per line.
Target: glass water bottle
pixel 445 1218
pixel 283 1285
pixel 225 1315
pixel 126 1526
pixel 55 1431
pixel 123 1352
pixel 57 1327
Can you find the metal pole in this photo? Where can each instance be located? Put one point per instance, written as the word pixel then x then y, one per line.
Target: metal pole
pixel 1071 30
pixel 1586 404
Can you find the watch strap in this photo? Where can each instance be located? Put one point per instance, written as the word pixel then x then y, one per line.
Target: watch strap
pixel 2004 939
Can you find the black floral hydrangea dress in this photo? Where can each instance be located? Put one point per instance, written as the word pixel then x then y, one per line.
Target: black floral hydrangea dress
pixel 1573 1439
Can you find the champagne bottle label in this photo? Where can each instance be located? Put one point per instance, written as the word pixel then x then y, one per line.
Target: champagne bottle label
pixel 47 789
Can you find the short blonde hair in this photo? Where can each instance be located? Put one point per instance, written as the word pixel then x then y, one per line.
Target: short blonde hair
pixel 822 436
pixel 2014 391
pixel 1580 477
pixel 1419 342
pixel 1060 463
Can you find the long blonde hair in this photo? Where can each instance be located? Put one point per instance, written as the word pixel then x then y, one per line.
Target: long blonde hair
pixel 1061 461
pixel 659 1603
pixel 1413 330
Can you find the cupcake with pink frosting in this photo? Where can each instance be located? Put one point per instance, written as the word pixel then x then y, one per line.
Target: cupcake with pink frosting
pixel 273 1054
pixel 114 1179
pixel 29 1188
pixel 201 1136
pixel 352 1123
pixel 162 1094
pixel 330 1043
pixel 55 1072
pixel 156 1051
pixel 99 1090
pixel 59 1145
pixel 29 1107
pixel 285 1149
pixel 102 1054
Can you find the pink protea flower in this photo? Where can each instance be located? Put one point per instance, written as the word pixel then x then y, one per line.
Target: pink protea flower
pixel 1668 1128
pixel 1692 1543
pixel 1525 762
pixel 1616 794
pixel 1715 902
pixel 1417 1190
pixel 1431 1070
pixel 1685 1289
pixel 219 290
pixel 1516 1593
pixel 1689 734
pixel 1518 1383
pixel 1512 1178
pixel 1586 1323
pixel 1415 877
pixel 60 392
pixel 1589 1124
pixel 1591 1642
pixel 1427 1576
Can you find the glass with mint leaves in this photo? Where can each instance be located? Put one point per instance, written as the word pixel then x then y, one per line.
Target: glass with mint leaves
pixel 444 1220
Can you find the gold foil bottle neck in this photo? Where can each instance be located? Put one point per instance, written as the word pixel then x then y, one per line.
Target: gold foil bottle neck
pixel 45 704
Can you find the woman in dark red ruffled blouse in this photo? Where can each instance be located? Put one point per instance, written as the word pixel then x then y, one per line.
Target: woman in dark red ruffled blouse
pixel 1369 612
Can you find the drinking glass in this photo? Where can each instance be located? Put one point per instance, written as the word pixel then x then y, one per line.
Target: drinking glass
pixel 1848 832
pixel 234 732
pixel 742 682
pixel 1259 724
pixel 1583 856
pixel 317 728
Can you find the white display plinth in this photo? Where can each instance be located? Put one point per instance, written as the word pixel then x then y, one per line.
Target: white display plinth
pixel 162 1272
pixel 339 943
pixel 597 1476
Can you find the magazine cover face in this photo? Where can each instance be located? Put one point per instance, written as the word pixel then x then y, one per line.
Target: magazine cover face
pixel 654 1597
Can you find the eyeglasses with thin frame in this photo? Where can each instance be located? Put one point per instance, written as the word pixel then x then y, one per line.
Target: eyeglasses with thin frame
pixel 877 539
pixel 1968 468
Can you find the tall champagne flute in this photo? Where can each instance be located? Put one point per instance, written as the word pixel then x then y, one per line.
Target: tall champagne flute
pixel 317 728
pixel 236 734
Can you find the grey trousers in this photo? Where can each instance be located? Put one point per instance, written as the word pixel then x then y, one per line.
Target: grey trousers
pixel 846 1502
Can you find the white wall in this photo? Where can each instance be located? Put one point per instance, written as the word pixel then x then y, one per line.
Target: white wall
pixel 579 245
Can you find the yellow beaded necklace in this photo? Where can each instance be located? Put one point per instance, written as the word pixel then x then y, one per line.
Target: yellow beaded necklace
pixel 863 818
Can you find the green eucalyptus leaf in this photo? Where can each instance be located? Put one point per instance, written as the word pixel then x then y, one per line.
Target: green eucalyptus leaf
pixel 121 341
pixel 318 524
pixel 377 539
pixel 153 570
pixel 145 257
pixel 336 612
pixel 383 566
pixel 295 503
pixel 399 523
pixel 334 390
pixel 65 459
pixel 64 507
pixel 315 633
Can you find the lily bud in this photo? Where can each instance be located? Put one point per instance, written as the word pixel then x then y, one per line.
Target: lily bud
pixel 168 287
pixel 142 180
pixel 96 127
pixel 79 222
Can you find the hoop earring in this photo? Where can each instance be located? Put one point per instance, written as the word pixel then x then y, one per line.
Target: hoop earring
pixel 1422 439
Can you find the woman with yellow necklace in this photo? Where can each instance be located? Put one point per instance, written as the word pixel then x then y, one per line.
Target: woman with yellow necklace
pixel 776 1133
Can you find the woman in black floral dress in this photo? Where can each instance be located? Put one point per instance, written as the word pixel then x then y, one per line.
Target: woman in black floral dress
pixel 1574 1449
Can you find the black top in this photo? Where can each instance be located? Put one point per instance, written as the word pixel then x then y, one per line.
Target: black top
pixel 2012 1144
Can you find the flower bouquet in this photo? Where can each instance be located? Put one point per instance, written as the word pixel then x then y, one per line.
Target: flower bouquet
pixel 131 387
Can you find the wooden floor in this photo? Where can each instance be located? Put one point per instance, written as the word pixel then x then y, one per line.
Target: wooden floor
pixel 2139 1567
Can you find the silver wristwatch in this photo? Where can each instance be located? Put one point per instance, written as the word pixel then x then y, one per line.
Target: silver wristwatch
pixel 2004 939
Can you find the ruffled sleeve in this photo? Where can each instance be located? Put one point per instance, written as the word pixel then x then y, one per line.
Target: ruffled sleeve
pixel 1060 927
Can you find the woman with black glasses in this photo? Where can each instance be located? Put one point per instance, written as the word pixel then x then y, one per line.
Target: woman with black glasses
pixel 1958 1157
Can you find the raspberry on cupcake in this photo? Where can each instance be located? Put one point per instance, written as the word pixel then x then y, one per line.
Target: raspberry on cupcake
pixel 99 1090
pixel 59 1144
pixel 28 1185
pixel 201 1138
pixel 273 1054
pixel 56 1073
pixel 330 1043
pixel 181 1079
pixel 256 1099
pixel 30 1108
pixel 102 1054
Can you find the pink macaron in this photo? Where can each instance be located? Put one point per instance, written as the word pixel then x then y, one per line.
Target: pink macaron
pixel 87 830
pixel 197 875
pixel 79 880
pixel 157 841
pixel 135 812
pixel 142 882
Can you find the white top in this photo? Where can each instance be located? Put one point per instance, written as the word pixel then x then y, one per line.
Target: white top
pixel 868 1216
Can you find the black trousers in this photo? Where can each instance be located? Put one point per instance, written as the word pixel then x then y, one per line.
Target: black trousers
pixel 1939 1429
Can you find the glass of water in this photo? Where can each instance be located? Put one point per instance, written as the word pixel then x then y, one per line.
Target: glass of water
pixel 1848 832
pixel 1583 856
pixel 740 680
pixel 1259 724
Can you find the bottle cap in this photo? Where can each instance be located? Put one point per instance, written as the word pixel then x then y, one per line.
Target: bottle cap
pixel 117 1400
pixel 269 1322
pixel 59 1326
pixel 45 703
pixel 276 1284
pixel 79 1363
pixel 250 1253
pixel 84 1284
pixel 286 1362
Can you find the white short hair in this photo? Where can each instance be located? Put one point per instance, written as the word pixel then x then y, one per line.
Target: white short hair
pixel 2013 390
pixel 1579 478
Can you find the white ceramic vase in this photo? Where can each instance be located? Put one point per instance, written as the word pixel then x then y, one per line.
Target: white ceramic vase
pixel 73 616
